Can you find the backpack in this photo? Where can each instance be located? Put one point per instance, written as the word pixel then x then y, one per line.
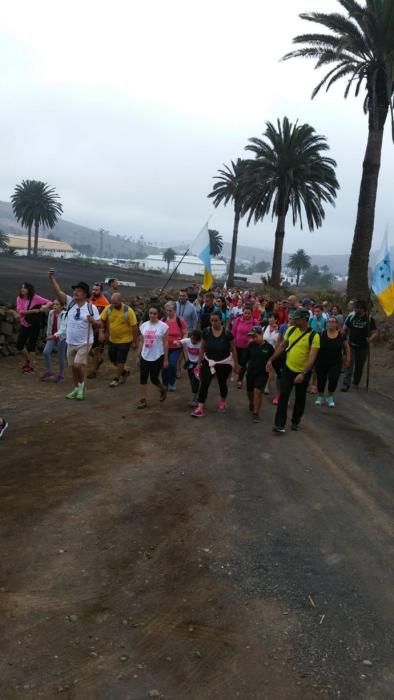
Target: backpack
pixel 73 303
pixel 35 320
pixel 125 310
pixel 309 330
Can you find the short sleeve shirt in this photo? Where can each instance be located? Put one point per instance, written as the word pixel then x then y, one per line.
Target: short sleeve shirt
pixel 120 324
pixel 79 330
pixel 153 340
pixel 297 357
pixel 217 348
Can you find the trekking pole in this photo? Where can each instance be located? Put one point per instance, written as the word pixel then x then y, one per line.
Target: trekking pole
pixel 86 364
pixel 368 343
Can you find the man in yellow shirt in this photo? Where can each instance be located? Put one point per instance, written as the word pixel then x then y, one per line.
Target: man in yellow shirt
pixel 301 345
pixel 121 330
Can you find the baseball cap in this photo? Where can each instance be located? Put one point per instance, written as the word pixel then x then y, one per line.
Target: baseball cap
pixel 300 313
pixel 256 330
pixel 308 302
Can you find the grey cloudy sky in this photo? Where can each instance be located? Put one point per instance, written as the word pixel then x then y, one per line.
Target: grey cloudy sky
pixel 129 108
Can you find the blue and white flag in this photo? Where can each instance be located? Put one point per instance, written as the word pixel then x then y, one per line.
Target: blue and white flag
pixel 201 247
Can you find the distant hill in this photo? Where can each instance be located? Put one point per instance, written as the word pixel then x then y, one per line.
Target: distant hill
pixel 114 246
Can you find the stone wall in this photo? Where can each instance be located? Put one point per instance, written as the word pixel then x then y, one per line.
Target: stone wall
pixel 9 328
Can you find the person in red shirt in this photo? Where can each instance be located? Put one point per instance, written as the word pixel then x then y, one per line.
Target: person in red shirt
pixel 241 327
pixel 177 330
pixel 100 301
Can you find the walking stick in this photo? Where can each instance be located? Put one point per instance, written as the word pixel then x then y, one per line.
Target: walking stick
pixel 86 364
pixel 368 343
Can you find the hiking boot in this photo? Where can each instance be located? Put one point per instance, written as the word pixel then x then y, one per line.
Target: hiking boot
pixel 330 401
pixel 72 394
pixel 221 407
pixel 319 400
pixel 278 429
pixel 197 413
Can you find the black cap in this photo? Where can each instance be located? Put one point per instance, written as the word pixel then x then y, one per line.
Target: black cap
pixel 256 330
pixel 84 286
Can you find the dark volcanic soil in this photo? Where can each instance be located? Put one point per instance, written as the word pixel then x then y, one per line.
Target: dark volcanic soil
pixel 145 554
pixel 15 270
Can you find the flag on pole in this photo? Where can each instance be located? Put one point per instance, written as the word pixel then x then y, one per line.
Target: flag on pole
pixel 382 280
pixel 201 247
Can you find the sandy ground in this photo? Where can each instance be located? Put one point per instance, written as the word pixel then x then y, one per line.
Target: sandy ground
pixel 145 554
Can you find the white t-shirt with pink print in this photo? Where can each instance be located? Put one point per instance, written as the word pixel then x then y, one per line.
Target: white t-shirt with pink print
pixel 153 335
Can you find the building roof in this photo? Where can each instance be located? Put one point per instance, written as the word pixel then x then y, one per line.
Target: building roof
pixel 20 242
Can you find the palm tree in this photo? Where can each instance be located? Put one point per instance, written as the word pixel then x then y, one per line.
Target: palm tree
pixel 169 256
pixel 289 172
pixel 216 242
pixel 36 204
pixel 299 262
pixel 4 241
pixel 228 188
pixel 360 48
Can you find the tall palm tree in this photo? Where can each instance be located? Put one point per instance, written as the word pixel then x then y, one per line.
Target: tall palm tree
pixel 228 188
pixel 299 262
pixel 289 172
pixel 36 204
pixel 215 241
pixel 359 47
pixel 4 241
pixel 169 256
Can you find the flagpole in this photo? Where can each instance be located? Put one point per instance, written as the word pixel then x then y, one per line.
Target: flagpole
pixel 368 343
pixel 173 272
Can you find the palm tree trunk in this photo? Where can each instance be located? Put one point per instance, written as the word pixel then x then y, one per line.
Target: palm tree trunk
pixel 29 241
pixel 278 250
pixel 358 286
pixel 234 242
pixel 298 276
pixel 36 228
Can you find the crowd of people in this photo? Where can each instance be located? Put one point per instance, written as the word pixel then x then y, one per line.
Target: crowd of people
pixel 270 346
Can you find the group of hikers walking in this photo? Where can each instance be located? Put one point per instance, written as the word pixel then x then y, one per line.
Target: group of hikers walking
pixel 271 346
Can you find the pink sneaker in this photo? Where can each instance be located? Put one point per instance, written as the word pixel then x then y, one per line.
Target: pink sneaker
pixel 275 400
pixel 197 413
pixel 221 407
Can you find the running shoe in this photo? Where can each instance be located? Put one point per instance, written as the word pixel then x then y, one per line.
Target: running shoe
pixel 197 413
pixel 59 379
pixel 115 382
pixel 3 427
pixel 80 395
pixel 221 407
pixel 275 400
pixel 72 394
pixel 295 426
pixel 278 429
pixel 46 377
pixel 319 401
pixel 330 401
pixel 256 418
pixel 172 387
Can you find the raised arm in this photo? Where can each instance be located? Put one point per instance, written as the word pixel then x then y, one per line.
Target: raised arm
pixel 62 296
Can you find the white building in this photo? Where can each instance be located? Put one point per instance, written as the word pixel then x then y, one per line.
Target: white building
pixel 54 249
pixel 190 265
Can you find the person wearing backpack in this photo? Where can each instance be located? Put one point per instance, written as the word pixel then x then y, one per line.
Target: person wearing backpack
pixel 119 326
pixel 301 345
pixel 30 307
pixel 81 317
pixel 177 330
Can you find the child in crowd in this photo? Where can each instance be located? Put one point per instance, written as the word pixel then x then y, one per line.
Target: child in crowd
pixel 191 348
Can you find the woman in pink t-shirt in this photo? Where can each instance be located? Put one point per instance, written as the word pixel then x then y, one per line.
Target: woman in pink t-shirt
pixel 29 305
pixel 177 329
pixel 241 327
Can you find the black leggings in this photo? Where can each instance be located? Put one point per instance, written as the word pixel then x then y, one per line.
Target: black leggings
pixel 27 337
pixel 152 369
pixel 242 361
pixel 332 374
pixel 222 374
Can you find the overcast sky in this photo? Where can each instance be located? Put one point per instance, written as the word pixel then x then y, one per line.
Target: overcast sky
pixel 129 108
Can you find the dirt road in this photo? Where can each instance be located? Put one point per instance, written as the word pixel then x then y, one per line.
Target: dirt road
pixel 145 554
